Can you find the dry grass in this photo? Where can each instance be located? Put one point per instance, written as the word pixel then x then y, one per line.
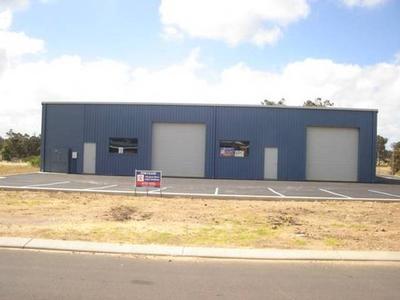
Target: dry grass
pixel 385 170
pixel 8 168
pixel 128 219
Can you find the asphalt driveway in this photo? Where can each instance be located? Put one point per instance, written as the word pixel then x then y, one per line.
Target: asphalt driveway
pixel 251 189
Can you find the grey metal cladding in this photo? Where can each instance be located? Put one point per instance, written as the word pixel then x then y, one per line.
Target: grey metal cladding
pixel 71 125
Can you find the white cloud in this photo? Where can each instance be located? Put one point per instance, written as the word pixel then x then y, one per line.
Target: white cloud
pixel 5 19
pixel 13 4
pixel 71 78
pixel 232 21
pixel 16 44
pixel 363 3
pixel 171 33
pixel 13 45
pixel 24 85
pixel 266 36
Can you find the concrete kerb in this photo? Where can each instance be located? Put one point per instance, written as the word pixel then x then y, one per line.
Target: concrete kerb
pixel 199 195
pixel 198 252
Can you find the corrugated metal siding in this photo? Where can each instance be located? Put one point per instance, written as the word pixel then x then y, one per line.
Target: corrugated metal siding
pixel 105 121
pixel 64 130
pixel 70 125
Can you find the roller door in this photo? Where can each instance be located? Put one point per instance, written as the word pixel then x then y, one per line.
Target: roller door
pixel 332 154
pixel 179 149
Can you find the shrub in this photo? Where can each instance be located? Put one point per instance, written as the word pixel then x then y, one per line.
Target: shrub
pixel 33 160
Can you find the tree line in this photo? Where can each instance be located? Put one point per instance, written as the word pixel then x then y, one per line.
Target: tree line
pixel 386 156
pixel 318 102
pixel 20 146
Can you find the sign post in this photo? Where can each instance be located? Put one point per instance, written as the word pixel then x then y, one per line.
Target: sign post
pixel 148 178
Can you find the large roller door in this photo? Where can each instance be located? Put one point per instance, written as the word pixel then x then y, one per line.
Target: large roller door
pixel 179 149
pixel 332 154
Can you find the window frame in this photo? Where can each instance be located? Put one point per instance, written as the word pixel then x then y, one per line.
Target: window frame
pixel 135 150
pixel 235 147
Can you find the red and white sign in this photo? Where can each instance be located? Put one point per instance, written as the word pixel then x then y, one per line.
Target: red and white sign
pixel 148 178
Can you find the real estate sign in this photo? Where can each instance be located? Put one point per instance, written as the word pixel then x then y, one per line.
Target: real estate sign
pixel 148 178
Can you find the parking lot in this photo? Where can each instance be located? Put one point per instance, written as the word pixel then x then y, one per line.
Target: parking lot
pixel 250 189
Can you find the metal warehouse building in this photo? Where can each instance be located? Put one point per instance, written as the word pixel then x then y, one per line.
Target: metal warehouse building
pixel 210 141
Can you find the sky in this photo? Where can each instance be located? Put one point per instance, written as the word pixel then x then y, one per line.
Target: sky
pixel 192 51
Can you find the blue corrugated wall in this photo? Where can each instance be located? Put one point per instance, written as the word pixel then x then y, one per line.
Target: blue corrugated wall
pixel 70 125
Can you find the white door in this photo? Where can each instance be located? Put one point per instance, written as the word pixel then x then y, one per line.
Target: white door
pixel 332 154
pixel 89 158
pixel 179 149
pixel 271 163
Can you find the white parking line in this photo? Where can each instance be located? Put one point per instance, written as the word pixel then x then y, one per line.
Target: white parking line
pixel 102 187
pixel 277 193
pixel 383 193
pixel 48 184
pixel 158 190
pixel 216 191
pixel 2 177
pixel 337 194
pixel 222 196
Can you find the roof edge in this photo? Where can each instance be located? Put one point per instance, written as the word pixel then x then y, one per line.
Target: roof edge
pixel 206 104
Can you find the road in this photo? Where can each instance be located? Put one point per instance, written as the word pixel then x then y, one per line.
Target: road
pixel 49 275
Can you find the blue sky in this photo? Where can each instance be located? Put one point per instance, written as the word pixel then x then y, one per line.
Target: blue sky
pixel 210 51
pixel 130 30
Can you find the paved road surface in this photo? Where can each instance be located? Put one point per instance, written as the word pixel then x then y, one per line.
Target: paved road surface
pixel 46 275
pixel 208 187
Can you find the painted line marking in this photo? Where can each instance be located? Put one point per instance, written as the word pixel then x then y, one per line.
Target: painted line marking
pixel 383 193
pixel 158 190
pixel 47 184
pixel 216 191
pixel 2 177
pixel 276 193
pixel 336 194
pixel 102 187
pixel 222 196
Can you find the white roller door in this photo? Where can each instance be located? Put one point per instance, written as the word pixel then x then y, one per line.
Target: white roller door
pixel 179 149
pixel 332 154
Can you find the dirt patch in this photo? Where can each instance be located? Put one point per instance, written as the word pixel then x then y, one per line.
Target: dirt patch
pixel 202 222
pixel 123 213
pixel 283 220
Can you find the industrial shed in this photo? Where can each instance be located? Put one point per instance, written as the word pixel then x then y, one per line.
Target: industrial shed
pixel 210 141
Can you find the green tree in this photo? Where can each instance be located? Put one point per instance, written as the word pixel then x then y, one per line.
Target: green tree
pixel 318 102
pixel 396 158
pixel 1 147
pixel 33 146
pixel 381 149
pixel 274 103
pixel 18 145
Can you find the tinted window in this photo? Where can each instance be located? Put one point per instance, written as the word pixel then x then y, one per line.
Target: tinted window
pixel 123 145
pixel 234 148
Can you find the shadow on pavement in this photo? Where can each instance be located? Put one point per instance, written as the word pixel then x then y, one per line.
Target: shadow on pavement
pixel 388 180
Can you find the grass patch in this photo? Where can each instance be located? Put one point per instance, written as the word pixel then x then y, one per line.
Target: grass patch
pixel 205 222
pixel 332 242
pixel 299 242
pixel 9 168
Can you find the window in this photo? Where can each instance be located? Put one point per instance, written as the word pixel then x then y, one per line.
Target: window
pixel 123 145
pixel 234 148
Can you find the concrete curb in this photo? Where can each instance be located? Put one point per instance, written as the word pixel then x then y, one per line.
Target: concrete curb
pixel 179 251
